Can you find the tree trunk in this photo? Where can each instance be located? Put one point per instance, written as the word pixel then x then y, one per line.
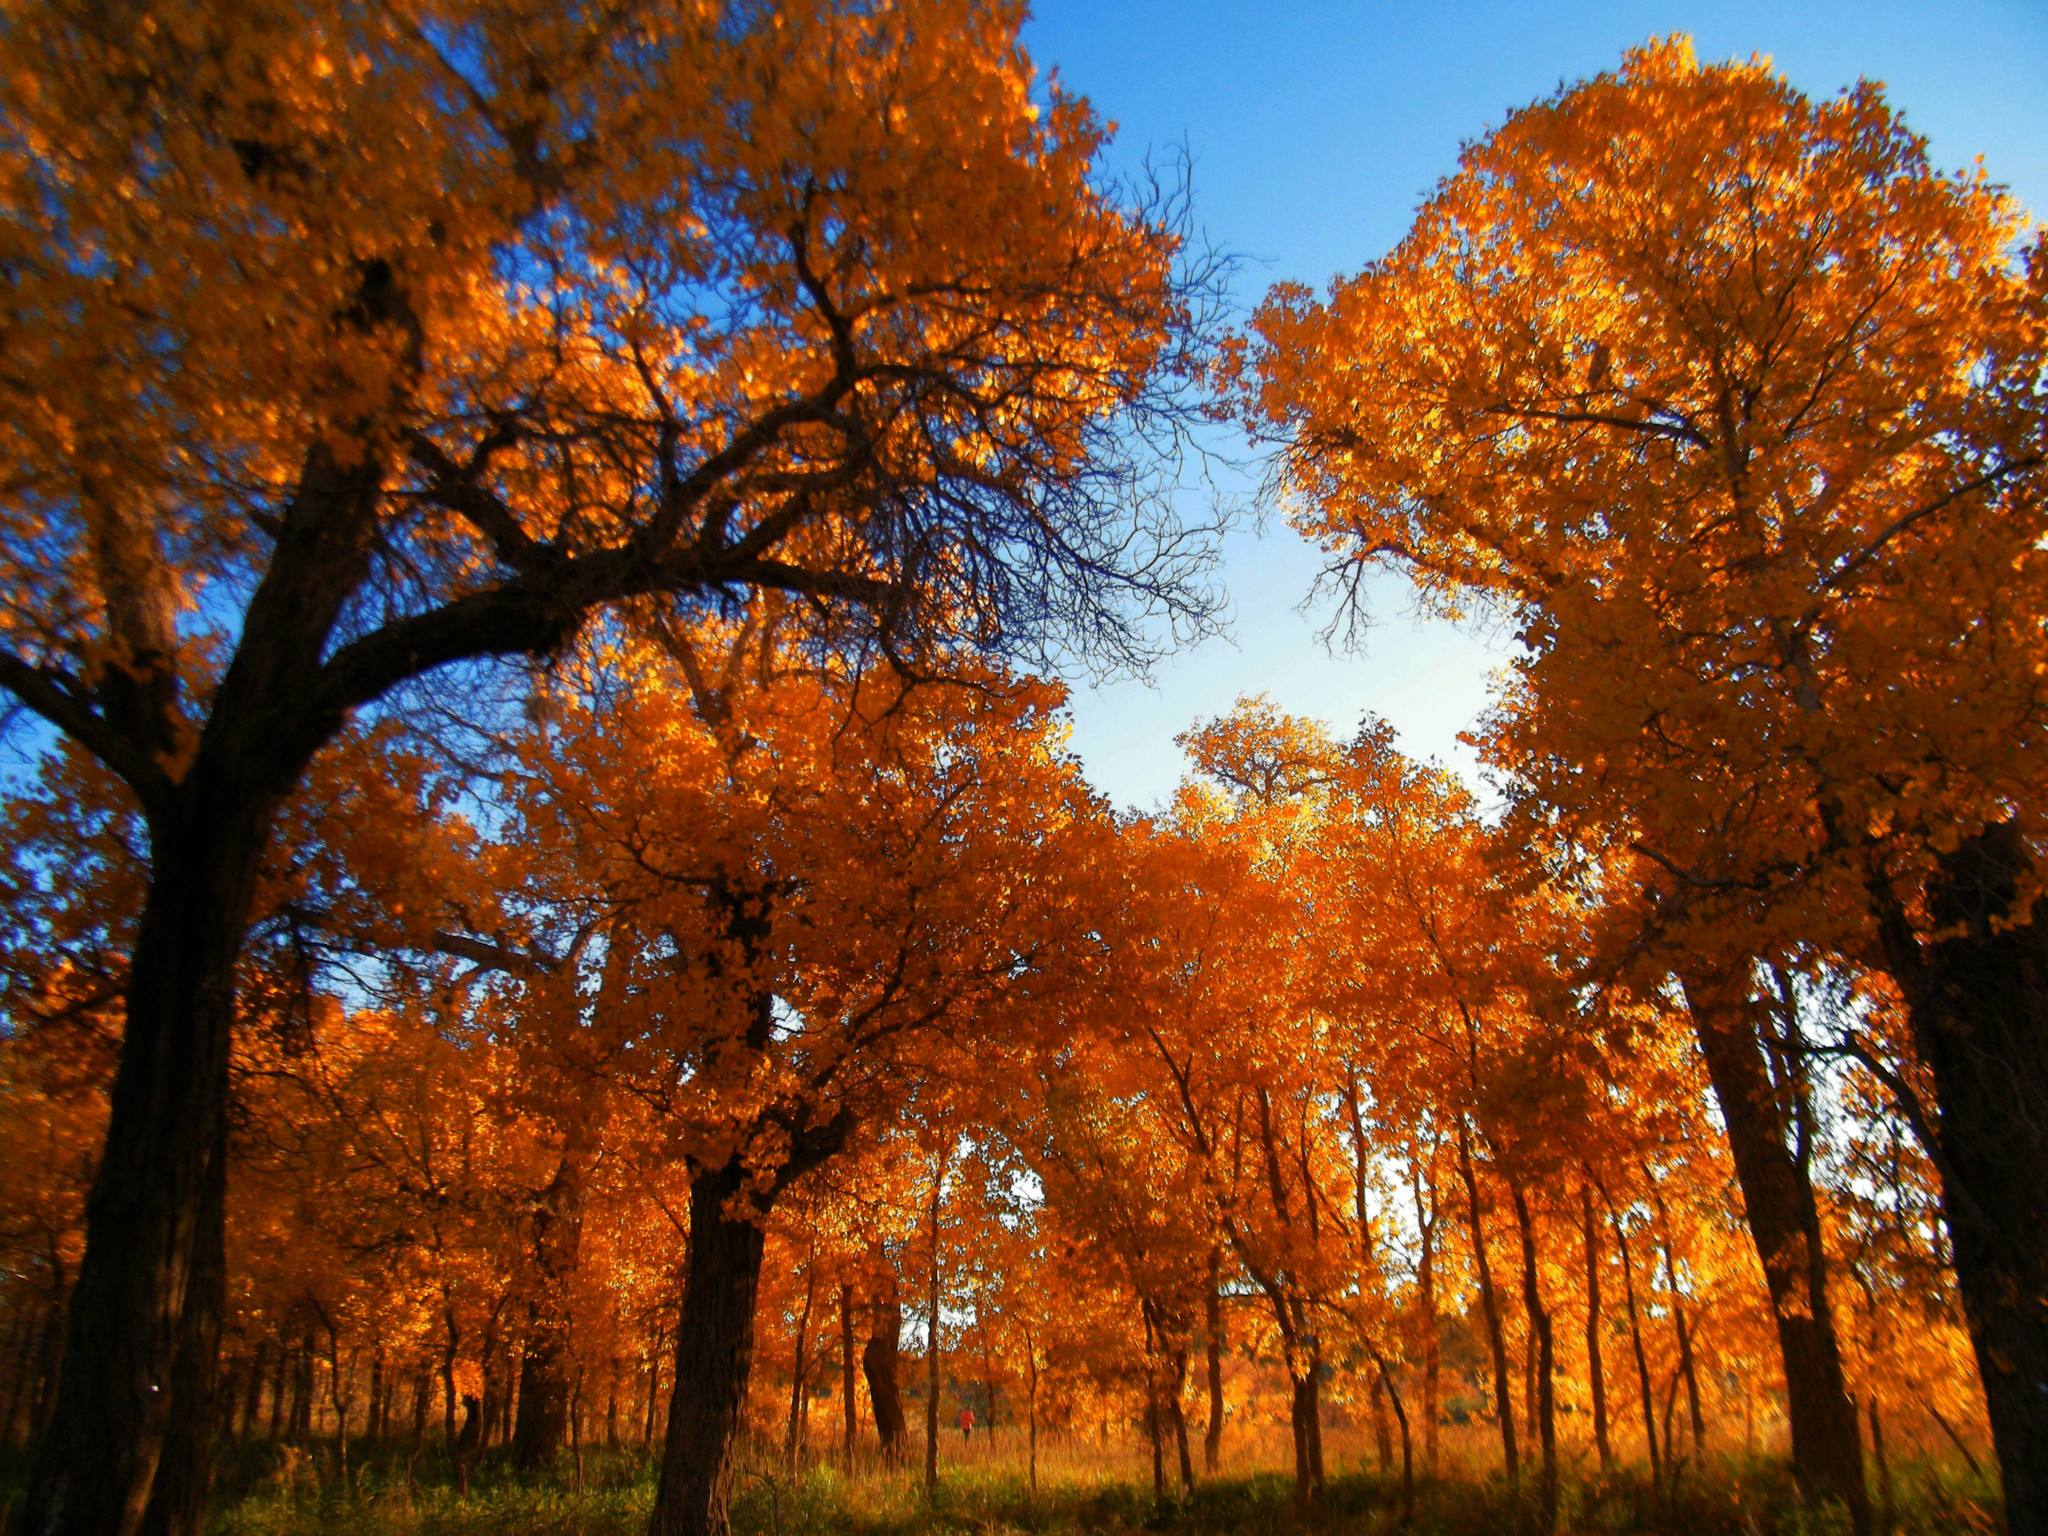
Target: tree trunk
pixel 1595 1378
pixel 1425 1306
pixel 547 1359
pixel 1212 1300
pixel 714 1354
pixel 798 1364
pixel 1635 1333
pixel 1489 1306
pixel 1031 1407
pixel 1978 1002
pixel 931 1339
pixel 1542 1348
pixel 849 1406
pixel 135 1390
pixel 878 1360
pixel 1784 1221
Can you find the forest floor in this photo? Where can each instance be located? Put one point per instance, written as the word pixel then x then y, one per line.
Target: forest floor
pixel 266 1490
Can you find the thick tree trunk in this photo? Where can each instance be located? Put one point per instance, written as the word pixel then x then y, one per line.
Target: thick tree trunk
pixel 878 1360
pixel 547 1359
pixel 1978 1001
pixel 145 1313
pixel 1784 1221
pixel 714 1354
pixel 1489 1306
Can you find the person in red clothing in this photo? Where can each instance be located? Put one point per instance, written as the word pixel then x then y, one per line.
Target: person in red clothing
pixel 966 1423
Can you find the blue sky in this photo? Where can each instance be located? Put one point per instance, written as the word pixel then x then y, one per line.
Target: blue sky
pixel 1316 130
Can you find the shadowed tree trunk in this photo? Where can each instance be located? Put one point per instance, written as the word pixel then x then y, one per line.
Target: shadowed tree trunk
pixel 714 1354
pixel 546 1360
pixel 1784 1222
pixel 1977 998
pixel 848 1405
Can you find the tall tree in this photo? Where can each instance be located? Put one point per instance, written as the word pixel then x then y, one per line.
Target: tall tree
pixel 350 341
pixel 1740 419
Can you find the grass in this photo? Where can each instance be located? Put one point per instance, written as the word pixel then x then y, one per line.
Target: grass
pixel 1085 1488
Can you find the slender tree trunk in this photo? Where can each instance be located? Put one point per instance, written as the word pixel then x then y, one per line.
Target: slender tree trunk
pixel 931 1341
pixel 1425 1307
pixel 1155 1441
pixel 1635 1333
pixel 797 1377
pixel 1393 1390
pixel 1784 1221
pixel 1595 1377
pixel 1153 1436
pixel 1542 1349
pixel 1978 1002
pixel 1489 1306
pixel 849 1405
pixel 714 1355
pixel 1885 1507
pixel 1212 1344
pixel 280 1362
pixel 1031 1407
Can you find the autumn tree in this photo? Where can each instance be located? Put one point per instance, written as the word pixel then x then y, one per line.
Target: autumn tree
pixel 1732 403
pixel 348 342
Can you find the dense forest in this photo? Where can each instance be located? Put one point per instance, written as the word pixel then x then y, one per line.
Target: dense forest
pixel 559 969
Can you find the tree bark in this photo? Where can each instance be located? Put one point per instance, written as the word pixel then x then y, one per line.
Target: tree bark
pixel 799 1363
pixel 1784 1222
pixel 547 1358
pixel 714 1354
pixel 878 1360
pixel 1595 1377
pixel 1542 1349
pixel 144 1318
pixel 1635 1333
pixel 849 1406
pixel 931 1339
pixel 1977 999
pixel 1212 1344
pixel 1489 1306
